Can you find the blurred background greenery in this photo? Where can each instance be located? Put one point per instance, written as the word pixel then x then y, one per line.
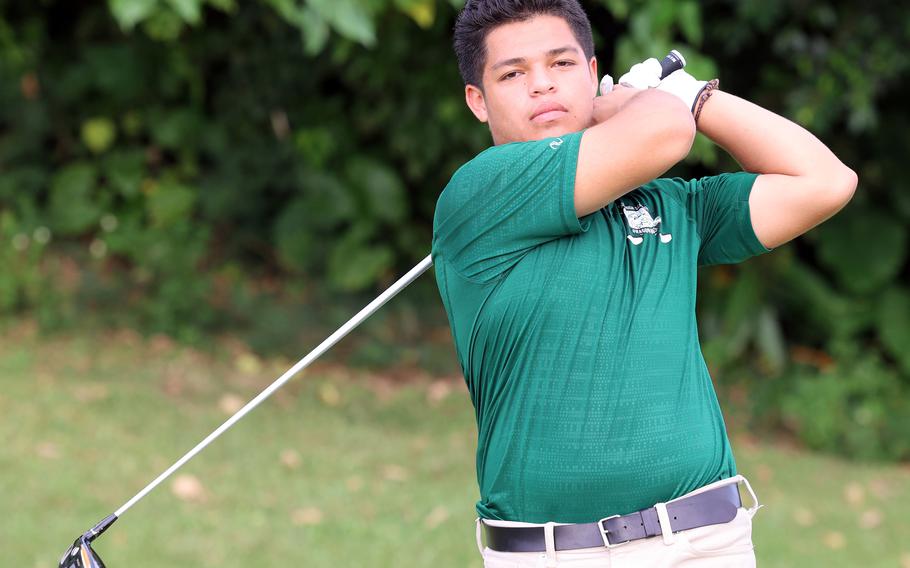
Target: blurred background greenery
pixel 193 169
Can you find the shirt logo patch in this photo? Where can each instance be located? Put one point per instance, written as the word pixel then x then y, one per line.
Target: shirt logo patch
pixel 554 144
pixel 642 223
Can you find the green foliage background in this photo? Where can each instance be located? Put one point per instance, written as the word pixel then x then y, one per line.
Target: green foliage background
pixel 191 166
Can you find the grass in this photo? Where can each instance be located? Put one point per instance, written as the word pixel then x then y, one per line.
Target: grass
pixel 340 468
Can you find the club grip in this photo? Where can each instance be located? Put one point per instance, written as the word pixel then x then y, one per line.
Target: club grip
pixel 674 61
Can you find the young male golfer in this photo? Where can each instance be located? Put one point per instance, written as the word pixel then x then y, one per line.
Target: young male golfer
pixel 568 272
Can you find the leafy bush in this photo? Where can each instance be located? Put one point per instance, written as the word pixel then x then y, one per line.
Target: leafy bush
pixel 855 408
pixel 184 163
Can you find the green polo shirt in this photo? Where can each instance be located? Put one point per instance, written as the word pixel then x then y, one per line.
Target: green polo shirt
pixel 577 337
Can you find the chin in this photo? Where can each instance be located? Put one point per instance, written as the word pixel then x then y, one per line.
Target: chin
pixel 536 132
pixel 553 130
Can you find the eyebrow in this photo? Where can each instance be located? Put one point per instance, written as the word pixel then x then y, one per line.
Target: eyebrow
pixel 518 60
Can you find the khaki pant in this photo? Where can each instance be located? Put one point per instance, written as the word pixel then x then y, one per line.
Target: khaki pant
pixel 729 544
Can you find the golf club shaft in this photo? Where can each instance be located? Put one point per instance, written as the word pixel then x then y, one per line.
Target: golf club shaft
pixel 363 314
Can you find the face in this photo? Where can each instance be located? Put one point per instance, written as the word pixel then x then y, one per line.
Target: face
pixel 536 82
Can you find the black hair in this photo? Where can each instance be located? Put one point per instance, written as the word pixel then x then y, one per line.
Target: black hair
pixel 480 17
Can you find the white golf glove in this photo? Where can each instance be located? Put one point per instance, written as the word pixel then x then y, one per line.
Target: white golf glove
pixel 684 86
pixel 644 75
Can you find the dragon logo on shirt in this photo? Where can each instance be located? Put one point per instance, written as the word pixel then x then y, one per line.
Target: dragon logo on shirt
pixel 642 223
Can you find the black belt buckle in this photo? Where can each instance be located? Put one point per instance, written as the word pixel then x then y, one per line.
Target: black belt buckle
pixel 603 532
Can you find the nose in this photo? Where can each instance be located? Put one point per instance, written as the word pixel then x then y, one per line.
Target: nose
pixel 541 83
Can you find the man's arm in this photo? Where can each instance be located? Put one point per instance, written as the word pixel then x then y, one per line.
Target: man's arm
pixel 645 137
pixel 802 183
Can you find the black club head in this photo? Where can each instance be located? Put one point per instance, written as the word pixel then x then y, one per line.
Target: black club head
pixel 81 555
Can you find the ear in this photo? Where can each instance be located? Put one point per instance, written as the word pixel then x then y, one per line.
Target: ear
pixel 592 68
pixel 474 97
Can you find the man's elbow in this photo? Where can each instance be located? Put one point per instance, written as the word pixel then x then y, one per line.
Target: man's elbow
pixel 839 187
pixel 684 134
pixel 849 183
pixel 678 134
pixel 669 124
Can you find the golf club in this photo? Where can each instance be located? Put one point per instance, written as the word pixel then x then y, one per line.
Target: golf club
pixel 81 554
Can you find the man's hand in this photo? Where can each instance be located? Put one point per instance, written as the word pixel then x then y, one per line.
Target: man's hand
pixel 646 75
pixel 684 86
pixel 609 104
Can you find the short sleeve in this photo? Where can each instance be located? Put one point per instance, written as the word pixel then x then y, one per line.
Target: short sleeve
pixel 719 207
pixel 504 202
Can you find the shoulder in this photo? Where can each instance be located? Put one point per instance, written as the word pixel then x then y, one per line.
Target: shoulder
pixel 497 158
pixel 505 164
pixel 464 181
pixel 464 184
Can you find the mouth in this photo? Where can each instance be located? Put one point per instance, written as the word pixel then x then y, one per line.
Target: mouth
pixel 548 113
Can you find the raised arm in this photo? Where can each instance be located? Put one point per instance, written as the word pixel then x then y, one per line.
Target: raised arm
pixel 649 133
pixel 802 183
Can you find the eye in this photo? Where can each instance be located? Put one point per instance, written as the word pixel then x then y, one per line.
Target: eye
pixel 564 63
pixel 509 75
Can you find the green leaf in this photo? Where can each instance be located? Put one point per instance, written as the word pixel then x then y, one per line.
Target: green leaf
pixel 315 31
pixel 316 145
pixel 619 8
pixel 689 18
pixel 128 13
pixel 299 232
pixel 223 5
pixel 627 55
pixel 124 171
pixel 329 201
pixel 807 293
pixel 383 190
pixel 131 123
pixel 71 206
pixel 349 18
pixel 169 202
pixel 189 10
pixel 289 10
pixel 98 134
pixel 355 265
pixel 864 247
pixel 132 237
pixel 642 32
pixel 22 182
pixel 894 324
pixel 296 243
pixel 177 129
pixel 423 12
pixel 663 14
pixel 163 25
